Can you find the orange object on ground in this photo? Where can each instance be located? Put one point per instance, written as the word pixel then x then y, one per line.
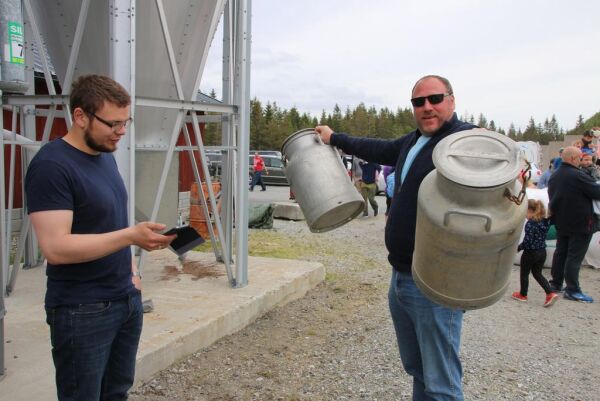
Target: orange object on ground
pixel 198 219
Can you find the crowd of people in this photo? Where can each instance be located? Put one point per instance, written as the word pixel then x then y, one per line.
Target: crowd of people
pixel 573 184
pixel 572 226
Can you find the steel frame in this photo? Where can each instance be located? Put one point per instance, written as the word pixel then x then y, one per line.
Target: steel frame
pixel 3 249
pixel 233 114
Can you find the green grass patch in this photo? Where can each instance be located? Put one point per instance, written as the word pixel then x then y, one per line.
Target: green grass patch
pixel 205 247
pixel 275 245
pixel 330 276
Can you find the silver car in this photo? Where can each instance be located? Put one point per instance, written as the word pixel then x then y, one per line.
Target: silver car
pixel 275 174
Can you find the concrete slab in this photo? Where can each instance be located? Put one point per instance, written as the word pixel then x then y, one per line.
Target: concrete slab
pixel 193 307
pixel 287 210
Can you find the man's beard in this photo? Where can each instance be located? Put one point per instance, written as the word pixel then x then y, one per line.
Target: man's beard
pixel 92 144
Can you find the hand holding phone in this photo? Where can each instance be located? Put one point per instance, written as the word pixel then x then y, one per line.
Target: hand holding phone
pixel 186 240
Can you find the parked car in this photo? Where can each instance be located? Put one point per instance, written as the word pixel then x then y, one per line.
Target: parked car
pixel 266 153
pixel 381 184
pixel 274 165
pixel 215 163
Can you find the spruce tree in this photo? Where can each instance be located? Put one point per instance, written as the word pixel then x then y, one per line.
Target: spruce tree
pixel 512 132
pixel 482 122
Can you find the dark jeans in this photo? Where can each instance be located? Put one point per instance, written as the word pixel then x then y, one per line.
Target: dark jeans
pixel 388 203
pixel 257 179
pixel 94 348
pixel 570 251
pixel 533 261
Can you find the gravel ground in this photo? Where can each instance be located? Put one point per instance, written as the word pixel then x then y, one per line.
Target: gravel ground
pixel 337 343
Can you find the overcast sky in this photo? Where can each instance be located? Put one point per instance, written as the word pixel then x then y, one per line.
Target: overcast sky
pixel 510 60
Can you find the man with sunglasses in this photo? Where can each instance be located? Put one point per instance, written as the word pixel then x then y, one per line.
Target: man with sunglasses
pixel 428 334
pixel 77 203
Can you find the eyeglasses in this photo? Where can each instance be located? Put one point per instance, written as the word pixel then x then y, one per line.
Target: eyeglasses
pixel 114 125
pixel 433 99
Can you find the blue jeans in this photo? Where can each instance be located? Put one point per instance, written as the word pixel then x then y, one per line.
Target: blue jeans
pixel 94 348
pixel 429 341
pixel 566 262
pixel 257 179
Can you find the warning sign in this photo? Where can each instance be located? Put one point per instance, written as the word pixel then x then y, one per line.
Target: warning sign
pixel 15 43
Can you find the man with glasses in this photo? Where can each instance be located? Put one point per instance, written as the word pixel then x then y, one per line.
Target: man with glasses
pixel 77 203
pixel 428 334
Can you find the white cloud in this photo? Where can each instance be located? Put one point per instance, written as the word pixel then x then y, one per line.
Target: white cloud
pixel 507 59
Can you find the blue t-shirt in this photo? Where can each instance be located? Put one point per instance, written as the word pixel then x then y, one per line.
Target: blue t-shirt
pixel 389 185
pixel 412 154
pixel 61 177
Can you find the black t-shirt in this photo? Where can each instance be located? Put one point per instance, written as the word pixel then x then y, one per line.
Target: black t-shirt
pixel 61 177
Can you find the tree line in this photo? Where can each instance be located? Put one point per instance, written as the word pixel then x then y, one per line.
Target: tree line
pixel 270 124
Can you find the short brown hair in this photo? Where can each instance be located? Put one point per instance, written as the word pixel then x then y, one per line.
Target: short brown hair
pixel 443 80
pixel 89 92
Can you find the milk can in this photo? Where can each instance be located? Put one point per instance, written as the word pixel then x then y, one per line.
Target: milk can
pixel 320 182
pixel 468 227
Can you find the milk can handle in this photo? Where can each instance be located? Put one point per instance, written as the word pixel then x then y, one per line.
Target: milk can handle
pixel 318 139
pixel 480 155
pixel 488 222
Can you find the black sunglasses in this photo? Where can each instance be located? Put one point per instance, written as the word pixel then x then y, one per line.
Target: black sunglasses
pixel 433 99
pixel 114 125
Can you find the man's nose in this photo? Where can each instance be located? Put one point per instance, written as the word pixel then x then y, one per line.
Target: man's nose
pixel 427 105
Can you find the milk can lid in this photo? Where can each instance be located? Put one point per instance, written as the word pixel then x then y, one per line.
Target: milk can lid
pixel 477 158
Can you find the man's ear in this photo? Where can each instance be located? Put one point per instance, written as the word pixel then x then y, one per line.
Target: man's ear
pixel 80 117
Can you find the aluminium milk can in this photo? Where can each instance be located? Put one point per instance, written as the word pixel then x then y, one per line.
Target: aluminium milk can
pixel 320 182
pixel 467 227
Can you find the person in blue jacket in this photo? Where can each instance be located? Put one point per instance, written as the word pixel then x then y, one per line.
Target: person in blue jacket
pixel 428 334
pixel 543 182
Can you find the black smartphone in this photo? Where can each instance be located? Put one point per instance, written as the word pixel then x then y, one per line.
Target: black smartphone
pixel 175 230
pixel 187 239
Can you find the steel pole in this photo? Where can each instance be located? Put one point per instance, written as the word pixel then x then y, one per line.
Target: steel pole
pixel 120 60
pixel 228 160
pixel 242 88
pixel 3 256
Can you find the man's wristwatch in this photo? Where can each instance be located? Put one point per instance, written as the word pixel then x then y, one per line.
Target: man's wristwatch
pixel 136 274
